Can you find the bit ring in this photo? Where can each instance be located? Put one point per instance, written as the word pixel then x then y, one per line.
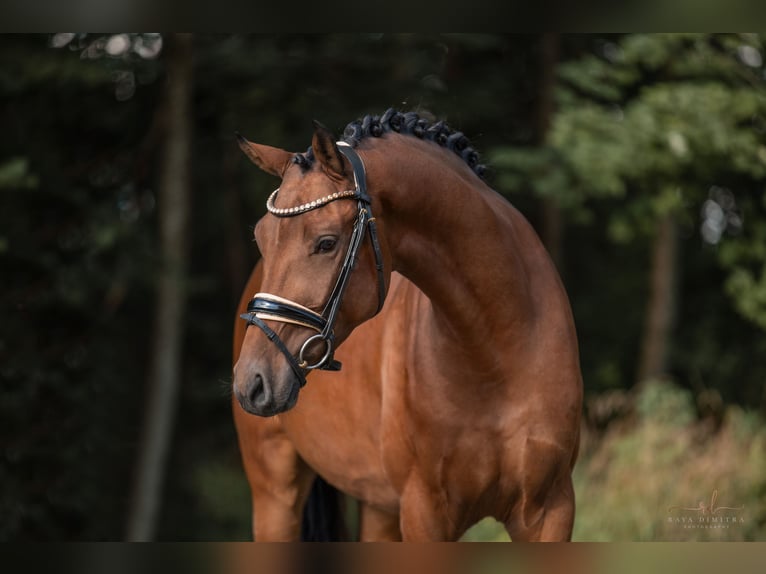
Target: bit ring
pixel 303 363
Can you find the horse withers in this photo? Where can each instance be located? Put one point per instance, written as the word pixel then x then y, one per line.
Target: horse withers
pixel 406 339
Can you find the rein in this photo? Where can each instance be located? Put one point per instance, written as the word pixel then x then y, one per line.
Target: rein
pixel 268 307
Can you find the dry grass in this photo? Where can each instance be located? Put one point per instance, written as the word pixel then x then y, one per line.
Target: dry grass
pixel 653 476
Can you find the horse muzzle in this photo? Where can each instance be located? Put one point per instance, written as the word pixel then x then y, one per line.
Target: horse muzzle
pixel 268 307
pixel 262 395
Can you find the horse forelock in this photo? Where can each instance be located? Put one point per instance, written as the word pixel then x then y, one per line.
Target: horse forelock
pixel 406 123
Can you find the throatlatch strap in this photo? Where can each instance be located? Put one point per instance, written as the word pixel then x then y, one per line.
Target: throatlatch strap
pixel 360 180
pixel 373 231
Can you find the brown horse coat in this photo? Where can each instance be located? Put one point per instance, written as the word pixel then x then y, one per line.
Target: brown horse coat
pixel 461 399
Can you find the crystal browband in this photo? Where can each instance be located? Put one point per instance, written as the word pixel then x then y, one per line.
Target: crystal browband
pixel 308 206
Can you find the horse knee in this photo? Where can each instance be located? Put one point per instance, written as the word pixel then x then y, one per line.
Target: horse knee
pixel 378 525
pixel 545 486
pixel 558 521
pixel 274 522
pixel 423 515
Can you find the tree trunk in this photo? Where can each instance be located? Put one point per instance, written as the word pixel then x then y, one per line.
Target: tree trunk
pixel 173 213
pixel 238 263
pixel 660 309
pixel 552 228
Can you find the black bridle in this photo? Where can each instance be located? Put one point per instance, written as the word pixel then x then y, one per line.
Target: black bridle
pixel 265 306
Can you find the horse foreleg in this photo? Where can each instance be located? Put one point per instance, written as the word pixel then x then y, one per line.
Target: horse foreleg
pixel 559 513
pixel 424 515
pixel 279 479
pixel 547 508
pixel 377 525
pixel 554 519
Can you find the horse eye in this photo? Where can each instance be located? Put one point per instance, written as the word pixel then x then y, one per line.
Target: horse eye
pixel 325 245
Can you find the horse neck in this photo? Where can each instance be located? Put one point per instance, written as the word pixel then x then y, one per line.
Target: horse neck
pixel 455 238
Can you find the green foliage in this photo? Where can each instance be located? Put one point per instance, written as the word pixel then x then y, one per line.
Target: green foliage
pixel 749 291
pixel 745 258
pixel 665 403
pixel 486 530
pixel 14 174
pixel 652 114
pixel 678 134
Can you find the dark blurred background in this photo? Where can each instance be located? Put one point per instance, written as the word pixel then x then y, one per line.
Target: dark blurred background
pixel 640 160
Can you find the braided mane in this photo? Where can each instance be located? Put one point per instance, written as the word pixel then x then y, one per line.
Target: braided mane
pixel 409 123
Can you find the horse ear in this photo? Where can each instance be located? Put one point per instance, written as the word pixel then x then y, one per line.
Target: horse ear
pixel 327 152
pixel 270 159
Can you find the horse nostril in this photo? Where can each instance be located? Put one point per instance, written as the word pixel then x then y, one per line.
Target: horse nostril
pixel 255 389
pixel 258 394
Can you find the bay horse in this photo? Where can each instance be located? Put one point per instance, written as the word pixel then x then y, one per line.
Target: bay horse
pixel 460 392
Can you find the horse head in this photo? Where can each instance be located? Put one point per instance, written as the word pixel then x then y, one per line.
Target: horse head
pixel 321 277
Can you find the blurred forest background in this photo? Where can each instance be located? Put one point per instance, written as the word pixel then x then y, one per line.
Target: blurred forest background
pixel 126 214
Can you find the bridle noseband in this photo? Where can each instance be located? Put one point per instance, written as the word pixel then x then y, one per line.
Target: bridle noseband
pixel 268 307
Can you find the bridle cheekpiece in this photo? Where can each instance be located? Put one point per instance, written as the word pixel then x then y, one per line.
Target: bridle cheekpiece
pixel 267 307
